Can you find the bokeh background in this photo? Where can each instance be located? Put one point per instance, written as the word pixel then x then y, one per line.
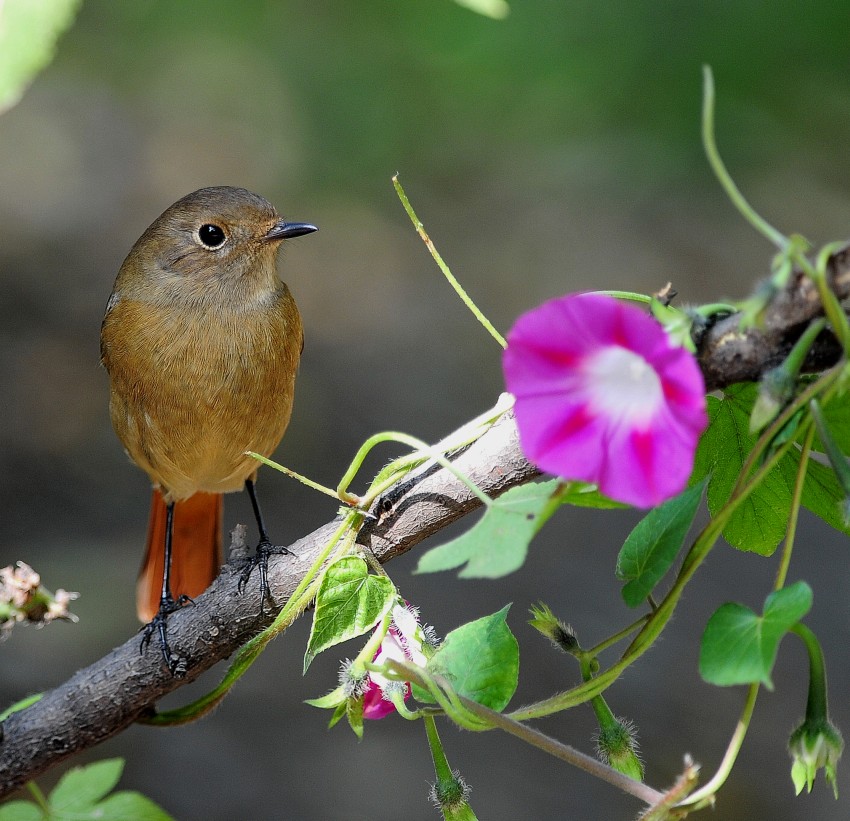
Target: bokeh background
pixel 552 151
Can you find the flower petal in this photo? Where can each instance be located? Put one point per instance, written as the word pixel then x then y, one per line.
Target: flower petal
pixel 375 706
pixel 603 396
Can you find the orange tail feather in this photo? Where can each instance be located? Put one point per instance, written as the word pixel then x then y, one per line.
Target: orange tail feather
pixel 196 554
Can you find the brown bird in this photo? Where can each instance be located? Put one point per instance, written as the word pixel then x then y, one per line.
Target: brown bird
pixel 201 340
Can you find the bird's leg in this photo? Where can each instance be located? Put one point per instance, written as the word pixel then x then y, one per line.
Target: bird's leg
pixel 167 605
pixel 264 549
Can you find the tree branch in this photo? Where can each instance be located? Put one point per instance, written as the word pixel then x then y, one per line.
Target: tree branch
pixel 728 355
pixel 109 695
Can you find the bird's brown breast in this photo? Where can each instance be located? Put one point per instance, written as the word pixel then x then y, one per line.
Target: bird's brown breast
pixel 193 388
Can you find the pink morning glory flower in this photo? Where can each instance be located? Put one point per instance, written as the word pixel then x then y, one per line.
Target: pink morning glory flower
pixel 403 642
pixel 603 396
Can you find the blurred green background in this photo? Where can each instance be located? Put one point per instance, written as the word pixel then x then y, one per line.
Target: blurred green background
pixel 553 151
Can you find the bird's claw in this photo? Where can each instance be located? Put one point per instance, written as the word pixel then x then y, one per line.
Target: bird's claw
pixel 261 560
pixel 177 665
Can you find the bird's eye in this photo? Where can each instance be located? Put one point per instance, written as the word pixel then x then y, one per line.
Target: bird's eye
pixel 211 236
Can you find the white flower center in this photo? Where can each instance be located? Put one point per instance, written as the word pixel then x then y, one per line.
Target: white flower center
pixel 621 383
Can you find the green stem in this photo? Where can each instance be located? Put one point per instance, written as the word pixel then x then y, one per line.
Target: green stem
pixel 711 308
pixel 392 473
pixel 553 503
pixel 823 387
pixel 370 649
pixel 40 798
pixel 628 296
pixel 423 452
pixel 684 784
pixel 397 698
pixel 441 764
pixel 705 795
pixel 816 704
pixel 564 752
pixel 487 719
pixel 795 359
pixel 831 306
pixel 459 290
pixel 372 560
pixel 453 703
pixel 794 513
pixel 604 716
pixel 445 696
pixel 303 479
pixel 20 705
pixel 837 459
pixel 593 652
pixel 723 176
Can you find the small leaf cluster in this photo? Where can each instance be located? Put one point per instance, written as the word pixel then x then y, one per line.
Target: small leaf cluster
pixel 83 794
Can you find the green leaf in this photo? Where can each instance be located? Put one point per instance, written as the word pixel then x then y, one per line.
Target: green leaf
pixel 759 523
pixel 836 415
pixel 787 432
pixel 332 699
pixel 354 714
pixel 705 458
pixel 497 9
pixel 129 805
pixel 21 811
pixel 498 543
pixel 349 603
pixel 339 712
pixel 82 787
pixel 739 646
pixel 28 34
pixel 652 546
pixel 481 661
pixel 581 494
pixel 824 496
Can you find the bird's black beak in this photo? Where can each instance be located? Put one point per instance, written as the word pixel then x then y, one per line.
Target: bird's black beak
pixel 287 230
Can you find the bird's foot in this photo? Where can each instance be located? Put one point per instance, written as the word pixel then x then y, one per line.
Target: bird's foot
pixel 177 665
pixel 261 560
